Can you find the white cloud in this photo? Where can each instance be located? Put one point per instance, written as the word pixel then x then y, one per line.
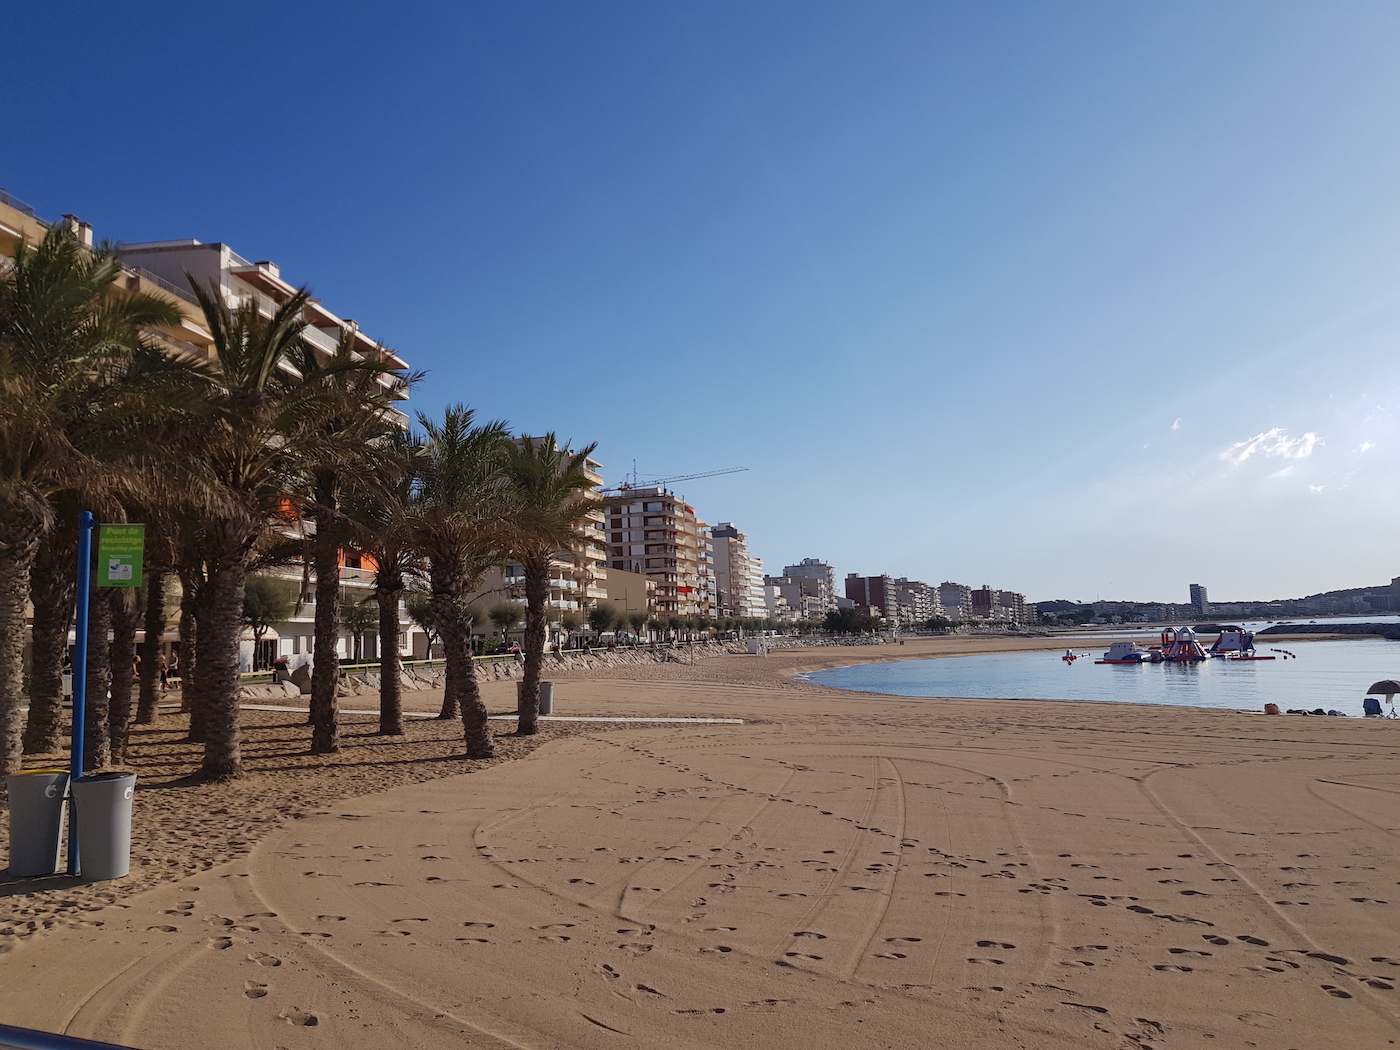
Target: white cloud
pixel 1177 424
pixel 1315 489
pixel 1366 446
pixel 1273 443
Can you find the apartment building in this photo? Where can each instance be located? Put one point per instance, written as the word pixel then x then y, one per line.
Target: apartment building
pixel 797 597
pixel 956 599
pixel 655 532
pixel 158 268
pixel 917 602
pixel 166 263
pixel 738 575
pixel 997 606
pixel 825 577
pixel 875 594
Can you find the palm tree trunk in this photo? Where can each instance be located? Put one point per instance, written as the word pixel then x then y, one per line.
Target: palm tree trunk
pixel 220 625
pixel 325 660
pixel 536 601
pixel 53 583
pixel 126 614
pixel 389 585
pixel 191 609
pixel 460 690
pixel 19 542
pixel 97 741
pixel 148 706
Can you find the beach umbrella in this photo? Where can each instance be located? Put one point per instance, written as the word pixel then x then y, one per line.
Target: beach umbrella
pixel 1388 687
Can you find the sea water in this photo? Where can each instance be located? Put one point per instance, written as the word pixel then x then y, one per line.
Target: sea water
pixel 1330 675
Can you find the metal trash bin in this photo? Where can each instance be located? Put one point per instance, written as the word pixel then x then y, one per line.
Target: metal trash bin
pixel 36 820
pixel 546 697
pixel 102 808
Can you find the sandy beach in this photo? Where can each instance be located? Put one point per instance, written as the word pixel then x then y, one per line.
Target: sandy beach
pixel 840 870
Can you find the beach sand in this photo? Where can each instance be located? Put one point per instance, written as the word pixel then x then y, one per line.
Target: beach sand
pixel 841 870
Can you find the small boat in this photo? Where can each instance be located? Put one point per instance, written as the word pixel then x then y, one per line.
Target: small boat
pixel 1070 656
pixel 1128 653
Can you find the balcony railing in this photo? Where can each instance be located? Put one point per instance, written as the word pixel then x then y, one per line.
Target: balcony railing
pixel 164 285
pixel 17 204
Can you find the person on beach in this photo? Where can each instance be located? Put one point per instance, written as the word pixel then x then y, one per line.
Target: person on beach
pixel 164 675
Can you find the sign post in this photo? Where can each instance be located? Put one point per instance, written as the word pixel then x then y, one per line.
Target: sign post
pixel 119 562
pixel 86 523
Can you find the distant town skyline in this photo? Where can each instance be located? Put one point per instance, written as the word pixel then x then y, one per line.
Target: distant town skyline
pixel 1084 299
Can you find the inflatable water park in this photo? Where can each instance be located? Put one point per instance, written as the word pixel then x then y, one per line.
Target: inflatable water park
pixel 1181 645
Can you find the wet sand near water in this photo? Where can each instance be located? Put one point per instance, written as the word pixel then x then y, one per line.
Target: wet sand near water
pixel 841 870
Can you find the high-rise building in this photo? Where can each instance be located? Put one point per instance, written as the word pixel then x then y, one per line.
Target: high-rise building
pixel 1199 601
pixel 916 601
pixel 655 532
pixel 824 574
pixel 738 575
pixel 876 594
pixel 956 599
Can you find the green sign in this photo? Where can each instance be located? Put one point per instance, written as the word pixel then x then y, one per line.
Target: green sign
pixel 119 550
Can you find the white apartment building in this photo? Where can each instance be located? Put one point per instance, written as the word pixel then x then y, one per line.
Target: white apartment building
pixel 738 575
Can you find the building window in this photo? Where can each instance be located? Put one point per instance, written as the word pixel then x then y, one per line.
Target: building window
pixel 617 565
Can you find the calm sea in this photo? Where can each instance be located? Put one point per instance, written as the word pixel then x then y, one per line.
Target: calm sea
pixel 1325 674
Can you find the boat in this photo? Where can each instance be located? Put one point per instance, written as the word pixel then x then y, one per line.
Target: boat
pixel 1128 653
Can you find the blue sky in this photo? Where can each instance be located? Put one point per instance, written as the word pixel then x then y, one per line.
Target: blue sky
pixel 1078 299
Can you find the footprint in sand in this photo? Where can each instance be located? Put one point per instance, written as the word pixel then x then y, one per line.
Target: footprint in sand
pixel 723 949
pixel 483 925
pixel 809 933
pixel 163 929
pixel 220 943
pixel 1253 940
pixel 254 990
pixel 1213 939
pixel 301 1018
pixel 314 933
pixel 696 1013
pixel 994 944
pixel 634 948
pixel 916 940
pixel 948 893
pixel 583 881
pixel 1186 951
pixel 1336 992
pixel 987 962
pixel 393 933
pixel 373 884
pixel 891 955
pixel 553 938
pixel 330 918
pixel 1172 967
pixel 263 959
pixel 412 918
pixel 787 895
pixel 799 955
pixel 648 990
pixel 555 926
pixel 1325 957
pixel 473 940
pixel 771 1002
pixel 1091 948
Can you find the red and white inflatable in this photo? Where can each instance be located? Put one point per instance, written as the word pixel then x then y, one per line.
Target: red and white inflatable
pixel 1179 644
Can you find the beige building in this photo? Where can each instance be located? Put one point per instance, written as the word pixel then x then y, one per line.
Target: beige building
pixel 656 533
pixel 630 592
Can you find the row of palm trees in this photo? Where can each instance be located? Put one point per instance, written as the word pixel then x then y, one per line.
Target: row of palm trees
pixel 262 453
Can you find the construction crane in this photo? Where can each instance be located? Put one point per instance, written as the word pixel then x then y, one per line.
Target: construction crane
pixel 656 482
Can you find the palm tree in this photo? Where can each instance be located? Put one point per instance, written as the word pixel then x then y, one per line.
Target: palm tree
pixel 357 393
pixel 253 440
pixel 53 592
pixel 551 499
pixel 378 513
pixel 66 335
pixel 455 524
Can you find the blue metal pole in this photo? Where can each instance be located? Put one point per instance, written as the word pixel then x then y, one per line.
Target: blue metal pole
pixel 86 523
